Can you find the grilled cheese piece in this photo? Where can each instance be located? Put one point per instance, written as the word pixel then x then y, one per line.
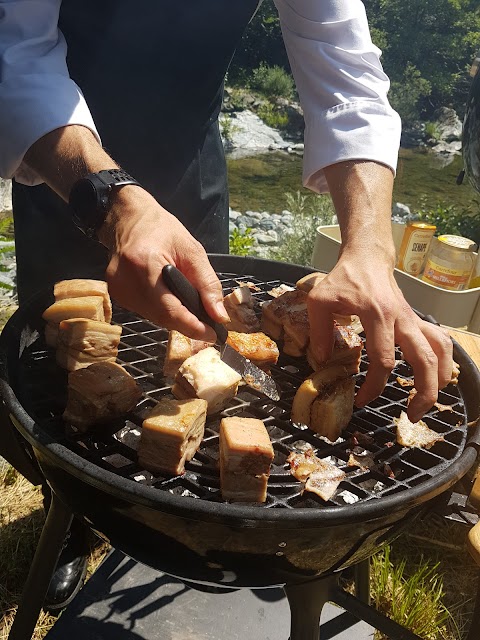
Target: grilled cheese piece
pixel 179 348
pixel 246 454
pixel 257 347
pixel 82 342
pixel 239 306
pixel 98 393
pixel 171 434
pixel 79 288
pixel 205 376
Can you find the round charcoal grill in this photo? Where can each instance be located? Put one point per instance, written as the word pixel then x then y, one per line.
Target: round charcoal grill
pixel 181 525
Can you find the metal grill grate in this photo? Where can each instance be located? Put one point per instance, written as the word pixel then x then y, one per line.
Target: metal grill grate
pixel 142 350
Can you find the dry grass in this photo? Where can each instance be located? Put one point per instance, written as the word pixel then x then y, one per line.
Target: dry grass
pixel 21 522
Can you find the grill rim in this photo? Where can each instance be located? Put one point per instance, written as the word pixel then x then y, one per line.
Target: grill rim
pixel 245 515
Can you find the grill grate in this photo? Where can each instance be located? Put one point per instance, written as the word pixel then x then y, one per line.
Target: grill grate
pixel 142 349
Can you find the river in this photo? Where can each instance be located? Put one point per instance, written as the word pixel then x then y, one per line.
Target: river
pixel 259 183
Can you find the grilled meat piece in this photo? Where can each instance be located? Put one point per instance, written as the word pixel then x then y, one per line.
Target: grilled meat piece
pixel 455 373
pixel 82 342
pixel 415 434
pixel 79 288
pixel 257 347
pixel 274 312
pixel 179 348
pixel 90 307
pixel 204 375
pixel 320 477
pixel 332 410
pixel 246 454
pixel 239 305
pixel 347 349
pixel 321 386
pixel 98 393
pixel 171 434
pixel 51 334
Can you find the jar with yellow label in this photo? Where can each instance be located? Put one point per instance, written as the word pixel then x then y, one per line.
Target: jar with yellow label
pixel 415 244
pixel 450 263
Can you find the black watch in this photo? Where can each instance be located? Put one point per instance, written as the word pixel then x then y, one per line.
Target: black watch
pixel 90 198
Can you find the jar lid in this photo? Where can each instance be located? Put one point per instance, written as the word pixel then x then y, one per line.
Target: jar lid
pixel 458 242
pixel 423 225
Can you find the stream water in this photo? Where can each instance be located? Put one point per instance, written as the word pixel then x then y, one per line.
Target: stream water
pixel 259 183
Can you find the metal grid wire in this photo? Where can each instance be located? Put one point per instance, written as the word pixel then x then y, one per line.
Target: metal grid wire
pixel 142 350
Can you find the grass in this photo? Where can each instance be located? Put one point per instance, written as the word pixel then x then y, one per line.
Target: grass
pixel 21 522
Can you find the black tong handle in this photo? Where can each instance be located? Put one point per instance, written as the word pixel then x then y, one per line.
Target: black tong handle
pixel 190 298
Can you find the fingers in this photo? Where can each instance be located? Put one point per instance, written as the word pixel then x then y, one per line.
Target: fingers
pixel 419 353
pixel 203 277
pixel 442 345
pixel 380 346
pixel 321 328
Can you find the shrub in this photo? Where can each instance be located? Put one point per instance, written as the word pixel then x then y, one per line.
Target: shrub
pixel 241 243
pixel 273 116
pixel 407 94
pixel 451 219
pixel 273 82
pixel 432 131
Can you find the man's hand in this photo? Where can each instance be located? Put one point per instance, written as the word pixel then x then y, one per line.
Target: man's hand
pixel 142 238
pixel 362 283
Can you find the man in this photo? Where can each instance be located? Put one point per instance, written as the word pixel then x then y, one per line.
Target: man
pixel 152 76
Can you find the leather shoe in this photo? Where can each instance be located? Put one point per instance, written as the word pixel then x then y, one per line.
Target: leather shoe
pixel 69 574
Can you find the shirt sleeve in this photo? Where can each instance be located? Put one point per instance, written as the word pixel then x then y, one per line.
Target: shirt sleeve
pixel 341 84
pixel 36 92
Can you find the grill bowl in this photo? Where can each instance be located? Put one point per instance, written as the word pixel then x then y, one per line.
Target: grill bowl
pixel 181 526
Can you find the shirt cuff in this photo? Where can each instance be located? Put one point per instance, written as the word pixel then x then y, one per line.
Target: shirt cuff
pixel 30 107
pixel 360 130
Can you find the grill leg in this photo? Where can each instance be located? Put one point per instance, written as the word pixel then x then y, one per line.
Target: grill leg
pixel 306 602
pixel 362 581
pixel 48 550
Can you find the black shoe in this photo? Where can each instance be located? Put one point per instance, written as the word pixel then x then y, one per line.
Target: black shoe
pixel 70 571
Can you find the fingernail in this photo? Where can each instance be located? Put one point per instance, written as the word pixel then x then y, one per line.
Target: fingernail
pixel 222 312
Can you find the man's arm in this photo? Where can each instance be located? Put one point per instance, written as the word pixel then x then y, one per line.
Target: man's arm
pixel 352 137
pixel 141 235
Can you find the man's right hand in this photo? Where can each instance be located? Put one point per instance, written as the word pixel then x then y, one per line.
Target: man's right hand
pixel 142 238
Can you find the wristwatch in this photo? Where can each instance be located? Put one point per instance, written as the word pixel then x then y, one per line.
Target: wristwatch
pixel 90 198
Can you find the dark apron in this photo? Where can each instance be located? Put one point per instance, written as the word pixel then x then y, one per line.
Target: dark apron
pixel 152 73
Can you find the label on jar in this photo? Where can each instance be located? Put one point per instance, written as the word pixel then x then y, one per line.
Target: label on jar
pixel 415 249
pixel 446 277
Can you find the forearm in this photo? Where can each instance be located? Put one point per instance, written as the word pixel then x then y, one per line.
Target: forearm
pixel 65 155
pixel 362 194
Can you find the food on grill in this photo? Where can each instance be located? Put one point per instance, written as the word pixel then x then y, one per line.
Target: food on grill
pixel 246 454
pixel 363 460
pixel 455 373
pixel 204 375
pixel 275 311
pixel 171 434
pixel 179 348
pixel 324 402
pixel 81 342
pixel 347 349
pixel 276 292
pixel 98 393
pixel 443 407
pixel 320 476
pixel 257 347
pixel 239 306
pixel 51 334
pixel 415 434
pixel 405 382
pixel 90 307
pixel 79 288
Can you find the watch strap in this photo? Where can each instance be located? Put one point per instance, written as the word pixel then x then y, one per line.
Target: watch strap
pixel 110 178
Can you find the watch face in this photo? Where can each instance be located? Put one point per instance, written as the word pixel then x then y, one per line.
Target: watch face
pixel 83 198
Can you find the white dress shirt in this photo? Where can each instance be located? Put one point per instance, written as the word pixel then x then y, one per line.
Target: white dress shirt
pixel 337 70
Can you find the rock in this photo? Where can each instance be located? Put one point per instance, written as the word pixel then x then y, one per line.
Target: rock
pixel 267 225
pixel 231 227
pixel 234 214
pixel 400 210
pixel 5 195
pixel 448 124
pixel 249 132
pixel 266 239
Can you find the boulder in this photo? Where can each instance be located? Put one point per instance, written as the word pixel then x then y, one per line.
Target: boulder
pixel 448 124
pixel 249 132
pixel 5 195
